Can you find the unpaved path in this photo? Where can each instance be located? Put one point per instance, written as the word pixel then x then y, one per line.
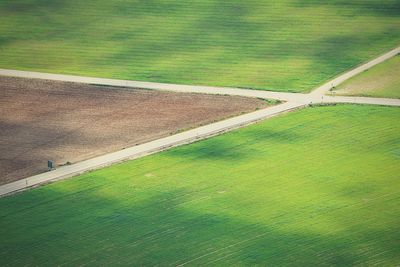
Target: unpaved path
pixel 315 96
pixel 293 101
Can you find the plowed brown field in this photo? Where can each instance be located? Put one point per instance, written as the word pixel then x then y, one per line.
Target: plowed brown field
pixel 70 122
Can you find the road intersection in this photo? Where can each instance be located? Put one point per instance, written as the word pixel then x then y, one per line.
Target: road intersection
pixel 291 101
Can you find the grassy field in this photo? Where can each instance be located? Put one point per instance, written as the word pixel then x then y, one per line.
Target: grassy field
pixel 312 188
pixel 286 45
pixel 381 81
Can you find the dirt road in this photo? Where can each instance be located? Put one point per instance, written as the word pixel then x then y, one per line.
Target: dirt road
pixel 294 101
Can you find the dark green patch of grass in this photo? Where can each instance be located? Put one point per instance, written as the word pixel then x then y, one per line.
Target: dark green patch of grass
pixel 288 45
pixel 311 188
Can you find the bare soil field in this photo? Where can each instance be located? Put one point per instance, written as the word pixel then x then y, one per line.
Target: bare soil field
pixel 44 120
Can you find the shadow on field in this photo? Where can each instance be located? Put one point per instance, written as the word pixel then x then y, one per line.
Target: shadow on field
pixel 213 149
pixel 168 228
pixel 250 144
pixel 383 8
pixel 35 5
pixel 285 136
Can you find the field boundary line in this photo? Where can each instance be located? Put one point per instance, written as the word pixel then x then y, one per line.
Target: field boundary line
pixel 148 148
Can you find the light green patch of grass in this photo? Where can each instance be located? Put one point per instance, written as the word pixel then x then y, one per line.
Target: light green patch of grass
pixel 311 188
pixel 286 45
pixel 382 80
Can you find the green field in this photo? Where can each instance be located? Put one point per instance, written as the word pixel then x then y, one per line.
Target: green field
pixel 285 45
pixel 316 187
pixel 382 80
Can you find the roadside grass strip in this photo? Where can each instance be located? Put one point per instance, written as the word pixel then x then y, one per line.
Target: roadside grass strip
pixel 315 187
